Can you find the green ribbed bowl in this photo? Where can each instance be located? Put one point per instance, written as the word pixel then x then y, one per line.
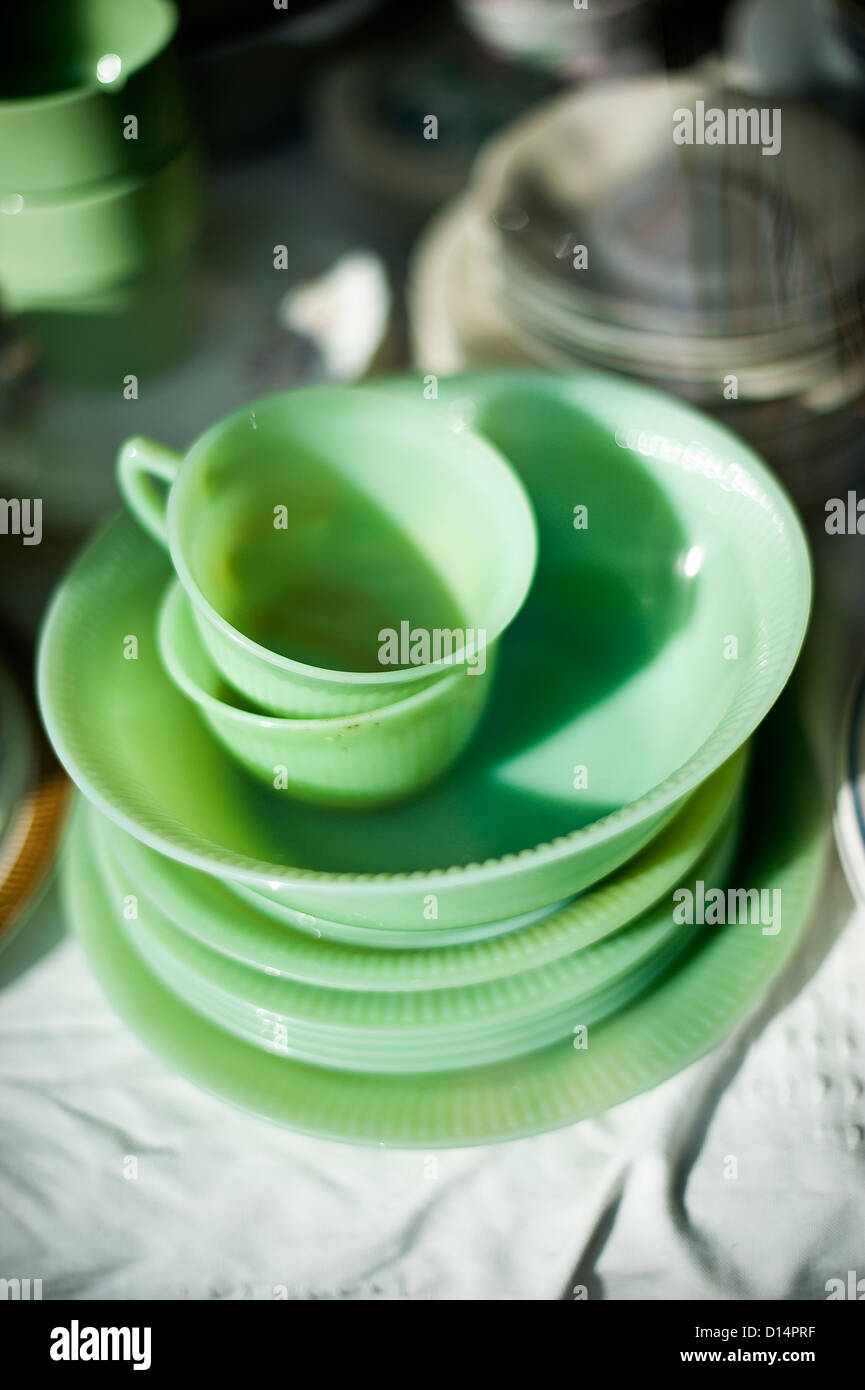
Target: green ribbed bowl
pixel 268 937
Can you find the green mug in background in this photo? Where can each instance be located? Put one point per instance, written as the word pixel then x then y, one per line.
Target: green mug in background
pixel 340 549
pixel 100 193
pixel 89 91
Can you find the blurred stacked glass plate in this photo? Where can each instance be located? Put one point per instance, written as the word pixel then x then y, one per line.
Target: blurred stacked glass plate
pixel 730 277
pixel 371 107
pixel 562 36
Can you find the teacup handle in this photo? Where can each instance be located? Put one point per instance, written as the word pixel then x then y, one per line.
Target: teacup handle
pixel 139 462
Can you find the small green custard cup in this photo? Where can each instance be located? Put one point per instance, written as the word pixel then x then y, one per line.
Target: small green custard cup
pixel 353 760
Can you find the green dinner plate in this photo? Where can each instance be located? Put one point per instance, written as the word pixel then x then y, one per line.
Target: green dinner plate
pixel 432 1022
pixel 418 938
pixel 653 642
pixel 209 911
pixel 689 1011
pixel 493 1046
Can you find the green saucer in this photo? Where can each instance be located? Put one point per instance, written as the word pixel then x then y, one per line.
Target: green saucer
pixel 688 1012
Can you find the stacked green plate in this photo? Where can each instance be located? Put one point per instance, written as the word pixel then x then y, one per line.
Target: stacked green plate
pixel 420 1029
pixel 508 951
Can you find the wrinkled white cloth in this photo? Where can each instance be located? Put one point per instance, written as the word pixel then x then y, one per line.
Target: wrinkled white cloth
pixel 740 1178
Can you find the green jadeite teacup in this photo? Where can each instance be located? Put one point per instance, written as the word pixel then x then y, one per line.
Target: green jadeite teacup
pixel 59 250
pixel 356 760
pixel 340 549
pixel 88 92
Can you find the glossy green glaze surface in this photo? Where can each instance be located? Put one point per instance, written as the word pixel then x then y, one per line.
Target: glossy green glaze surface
pixel 617 692
pixel 355 760
pixel 593 914
pixel 309 950
pixel 414 1030
pixel 687 1011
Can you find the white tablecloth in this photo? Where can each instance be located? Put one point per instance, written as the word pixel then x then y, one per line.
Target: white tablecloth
pixel 741 1178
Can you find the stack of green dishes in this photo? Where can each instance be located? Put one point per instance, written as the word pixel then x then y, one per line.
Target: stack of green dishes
pixel 524 940
pixel 99 193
